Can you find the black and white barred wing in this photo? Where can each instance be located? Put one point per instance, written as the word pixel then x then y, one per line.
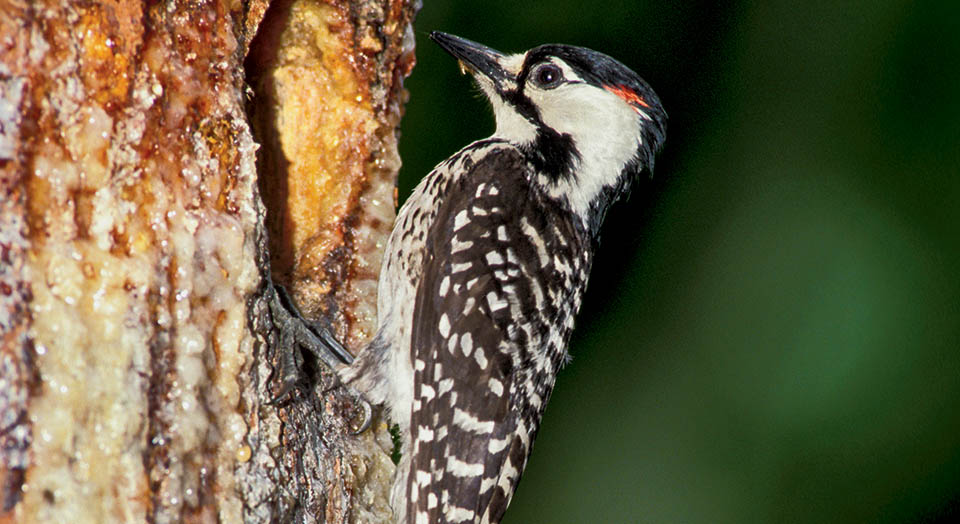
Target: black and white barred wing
pixel 477 345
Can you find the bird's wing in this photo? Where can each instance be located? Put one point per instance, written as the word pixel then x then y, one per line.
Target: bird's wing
pixel 477 327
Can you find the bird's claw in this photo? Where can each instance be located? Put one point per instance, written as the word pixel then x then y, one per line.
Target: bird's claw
pixel 367 412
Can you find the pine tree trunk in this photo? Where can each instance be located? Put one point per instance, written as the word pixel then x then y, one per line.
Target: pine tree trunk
pixel 157 160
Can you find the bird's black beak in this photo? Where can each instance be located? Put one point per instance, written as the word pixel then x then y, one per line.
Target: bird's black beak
pixel 475 57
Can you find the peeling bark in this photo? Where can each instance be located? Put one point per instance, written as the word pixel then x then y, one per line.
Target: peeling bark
pixel 137 357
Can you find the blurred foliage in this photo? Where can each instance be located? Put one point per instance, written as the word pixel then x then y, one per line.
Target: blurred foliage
pixel 772 332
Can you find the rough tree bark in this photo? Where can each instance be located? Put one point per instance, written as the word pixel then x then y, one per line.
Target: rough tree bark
pixel 148 150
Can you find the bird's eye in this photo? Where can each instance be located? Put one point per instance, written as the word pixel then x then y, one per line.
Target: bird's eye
pixel 548 76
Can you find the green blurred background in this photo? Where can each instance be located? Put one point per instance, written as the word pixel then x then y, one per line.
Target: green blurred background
pixel 772 332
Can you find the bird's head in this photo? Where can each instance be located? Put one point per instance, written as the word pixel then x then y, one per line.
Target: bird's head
pixel 588 123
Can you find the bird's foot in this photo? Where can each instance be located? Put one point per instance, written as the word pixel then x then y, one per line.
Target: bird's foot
pixel 297 333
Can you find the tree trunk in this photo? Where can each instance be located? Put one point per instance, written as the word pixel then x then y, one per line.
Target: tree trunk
pixel 140 181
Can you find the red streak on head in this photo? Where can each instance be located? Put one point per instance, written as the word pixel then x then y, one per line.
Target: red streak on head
pixel 628 95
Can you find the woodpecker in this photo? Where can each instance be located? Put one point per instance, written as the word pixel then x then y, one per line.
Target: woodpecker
pixel 485 271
